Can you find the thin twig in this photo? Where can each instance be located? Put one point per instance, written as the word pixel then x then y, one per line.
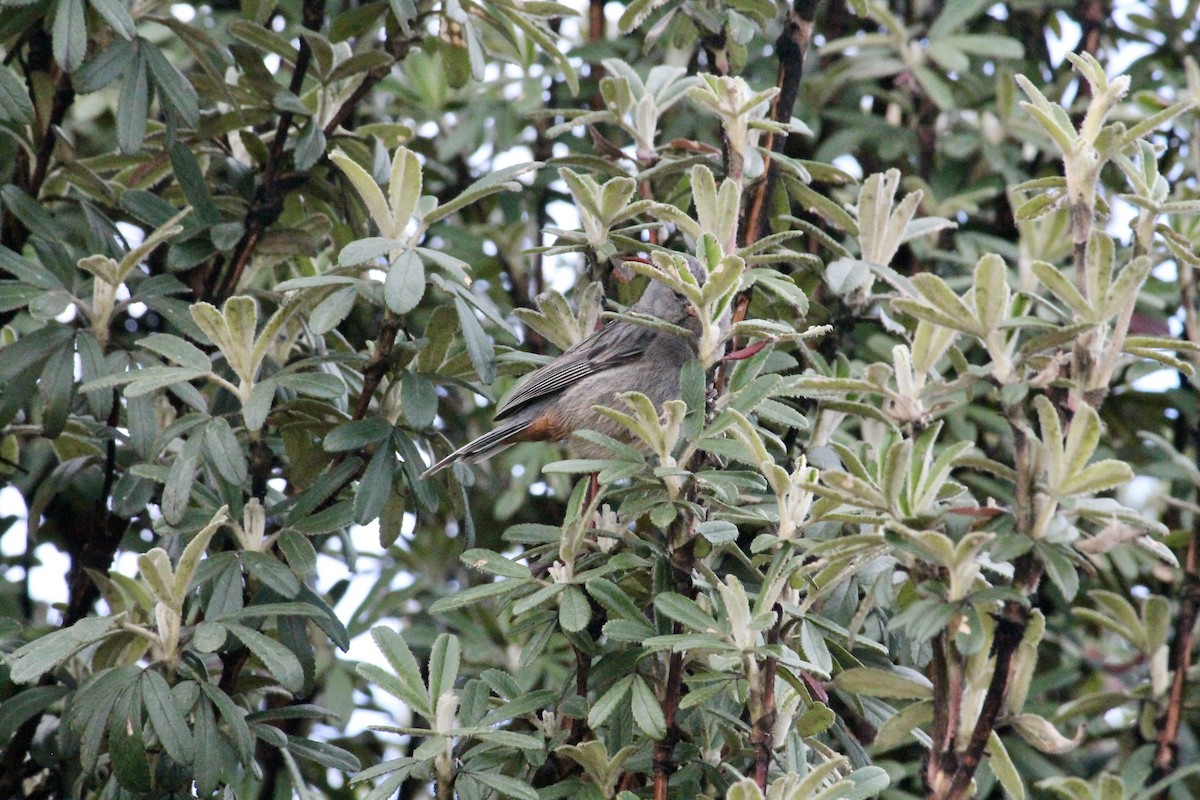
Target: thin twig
pixel 268 201
pixel 1166 756
pixel 663 764
pixel 41 60
pixel 762 731
pixel 941 753
pixel 681 546
pixel 1010 625
pixel 792 49
pixel 374 372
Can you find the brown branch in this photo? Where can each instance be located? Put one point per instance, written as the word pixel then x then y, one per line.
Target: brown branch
pixel 374 372
pixel 395 47
pixel 1010 627
pixel 941 761
pixel 1166 756
pixel 792 48
pixel 12 776
pixel 268 200
pixel 1091 15
pixel 596 20
pixel 41 59
pixel 577 728
pixel 373 77
pixel 681 546
pixel 762 729
pixel 663 764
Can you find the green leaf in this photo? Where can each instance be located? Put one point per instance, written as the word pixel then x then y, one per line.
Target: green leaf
pixel 404 186
pixel 356 434
pixel 33 660
pixel 509 787
pixel 411 688
pixel 418 401
pixel 574 613
pixel 33 216
pixel 225 451
pixel 192 183
pixel 474 594
pixel 313 384
pixel 235 718
pixel 368 190
pixel 279 661
pixel 443 666
pixel 684 609
pixel 1059 567
pixel 258 406
pixel 310 146
pixel 104 68
pixel 330 312
pixel 116 15
pixel 180 480
pixel 69 34
pixel 271 572
pixel 25 705
pixel 126 744
pixel 875 682
pixel 133 108
pixel 15 105
pixel 57 386
pixel 181 351
pixel 404 285
pixel 501 180
pixel 647 713
pixel 323 753
pixel 375 486
pixel 607 703
pixel 494 564
pixel 174 90
pixel 361 251
pixel 165 717
pixel 479 345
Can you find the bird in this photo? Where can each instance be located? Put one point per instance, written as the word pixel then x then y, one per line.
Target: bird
pixel 557 399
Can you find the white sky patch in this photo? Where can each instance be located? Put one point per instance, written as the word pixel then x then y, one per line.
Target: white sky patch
pixel 12 543
pixel 1059 47
pixel 1122 218
pixel 366 574
pixel 849 165
pixel 1160 380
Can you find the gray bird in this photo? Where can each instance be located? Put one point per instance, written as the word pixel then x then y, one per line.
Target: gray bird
pixel 557 399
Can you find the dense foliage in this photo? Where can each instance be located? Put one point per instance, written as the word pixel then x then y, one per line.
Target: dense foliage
pixel 924 521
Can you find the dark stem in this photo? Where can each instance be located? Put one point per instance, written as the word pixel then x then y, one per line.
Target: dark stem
pixel 1010 629
pixel 1090 14
pixel 761 733
pixel 1167 754
pixel 41 59
pixel 663 764
pixel 792 48
pixel 374 372
pixel 941 754
pixel 681 547
pixel 268 200
pixel 395 47
pixel 577 728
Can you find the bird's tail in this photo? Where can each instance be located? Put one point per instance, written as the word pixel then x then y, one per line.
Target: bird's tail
pixel 485 446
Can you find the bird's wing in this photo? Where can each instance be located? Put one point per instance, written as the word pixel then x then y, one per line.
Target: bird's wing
pixel 615 344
